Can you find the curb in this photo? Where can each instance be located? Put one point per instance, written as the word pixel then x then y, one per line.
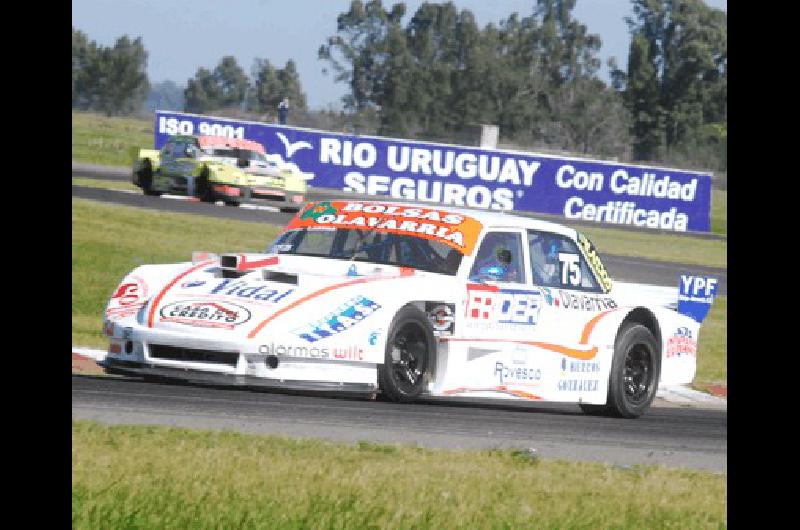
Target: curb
pixel 684 395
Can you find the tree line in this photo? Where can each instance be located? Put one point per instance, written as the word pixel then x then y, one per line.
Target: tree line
pixel 440 74
pixel 536 77
pixel 228 86
pixel 108 79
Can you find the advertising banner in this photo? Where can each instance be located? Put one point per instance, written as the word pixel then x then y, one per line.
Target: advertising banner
pixel 579 189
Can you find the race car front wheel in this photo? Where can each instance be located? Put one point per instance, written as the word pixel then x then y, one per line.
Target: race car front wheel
pixel 202 187
pixel 635 371
pixel 409 355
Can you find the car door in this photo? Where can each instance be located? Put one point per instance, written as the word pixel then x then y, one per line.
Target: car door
pixel 179 163
pixel 573 301
pixel 500 319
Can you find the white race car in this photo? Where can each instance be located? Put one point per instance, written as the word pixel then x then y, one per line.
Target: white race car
pixel 407 300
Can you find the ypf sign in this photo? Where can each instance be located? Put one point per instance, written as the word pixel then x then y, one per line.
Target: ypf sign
pixel 695 296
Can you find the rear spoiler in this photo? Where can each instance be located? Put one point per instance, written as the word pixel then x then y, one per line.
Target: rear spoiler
pixel 692 297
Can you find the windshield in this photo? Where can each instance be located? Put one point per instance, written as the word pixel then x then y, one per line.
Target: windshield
pixel 370 246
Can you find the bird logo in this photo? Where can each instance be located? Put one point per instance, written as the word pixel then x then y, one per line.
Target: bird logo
pixel 292 148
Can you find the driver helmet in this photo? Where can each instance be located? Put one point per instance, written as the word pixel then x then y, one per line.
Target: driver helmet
pixel 550 252
pixel 498 265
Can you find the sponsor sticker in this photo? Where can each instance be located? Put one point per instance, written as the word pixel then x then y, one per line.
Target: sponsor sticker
pixel 573 366
pixel 348 353
pixel 583 302
pixel 342 318
pixel 128 298
pixel 502 308
pixel 456 230
pixel 593 259
pixel 246 290
pixel 442 317
pixel 205 313
pixel 578 385
pixel 517 374
pixel 374 337
pixel 682 343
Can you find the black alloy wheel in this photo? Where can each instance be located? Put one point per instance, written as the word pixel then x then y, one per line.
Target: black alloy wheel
pixel 638 374
pixel 408 355
pixel 635 371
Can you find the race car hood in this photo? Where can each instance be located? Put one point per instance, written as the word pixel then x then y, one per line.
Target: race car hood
pixel 273 294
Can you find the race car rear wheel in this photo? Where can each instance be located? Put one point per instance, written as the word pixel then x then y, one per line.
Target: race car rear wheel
pixel 635 371
pixel 409 355
pixel 145 175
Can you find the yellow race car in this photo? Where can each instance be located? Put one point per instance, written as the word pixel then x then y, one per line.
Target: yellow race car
pixel 216 168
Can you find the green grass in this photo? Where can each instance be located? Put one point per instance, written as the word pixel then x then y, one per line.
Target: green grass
pixel 712 355
pixel 719 211
pixel 98 139
pixel 659 247
pixel 109 240
pixel 164 477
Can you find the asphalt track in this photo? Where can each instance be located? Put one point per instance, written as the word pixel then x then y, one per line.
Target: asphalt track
pixel 671 436
pixel 623 268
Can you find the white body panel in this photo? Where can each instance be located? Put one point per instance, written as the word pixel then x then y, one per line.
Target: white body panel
pixel 510 341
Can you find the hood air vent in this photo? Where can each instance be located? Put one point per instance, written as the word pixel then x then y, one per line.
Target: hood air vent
pixel 282 277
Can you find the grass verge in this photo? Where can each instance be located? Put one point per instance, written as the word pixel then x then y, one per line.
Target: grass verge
pixel 659 247
pixel 110 240
pixel 98 139
pixel 712 350
pixel 164 477
pixel 719 211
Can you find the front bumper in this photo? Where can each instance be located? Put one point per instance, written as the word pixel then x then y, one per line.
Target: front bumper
pixel 141 351
pixel 135 368
pixel 256 195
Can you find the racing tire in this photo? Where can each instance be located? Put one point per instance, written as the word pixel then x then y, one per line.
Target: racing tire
pixel 201 187
pixel 410 350
pixel 289 209
pixel 146 179
pixel 635 371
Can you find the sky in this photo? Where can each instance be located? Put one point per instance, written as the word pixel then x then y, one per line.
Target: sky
pixel 183 35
